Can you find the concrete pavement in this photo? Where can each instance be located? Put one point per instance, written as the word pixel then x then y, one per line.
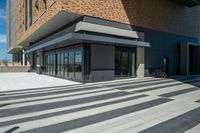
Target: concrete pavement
pixel 146 105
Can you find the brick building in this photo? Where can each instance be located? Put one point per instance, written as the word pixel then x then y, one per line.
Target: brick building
pixel 95 40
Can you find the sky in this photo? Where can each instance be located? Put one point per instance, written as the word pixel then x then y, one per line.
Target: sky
pixel 3 48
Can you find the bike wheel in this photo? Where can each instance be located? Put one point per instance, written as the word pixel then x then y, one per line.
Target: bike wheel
pixel 164 75
pixel 153 74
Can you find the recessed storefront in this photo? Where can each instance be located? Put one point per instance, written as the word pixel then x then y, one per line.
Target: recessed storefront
pixel 88 51
pixel 125 62
pixel 79 63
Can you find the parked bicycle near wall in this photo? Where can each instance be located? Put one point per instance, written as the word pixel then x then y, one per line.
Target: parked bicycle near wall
pixel 159 74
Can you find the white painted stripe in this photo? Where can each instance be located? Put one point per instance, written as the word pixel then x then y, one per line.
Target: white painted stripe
pixel 67 117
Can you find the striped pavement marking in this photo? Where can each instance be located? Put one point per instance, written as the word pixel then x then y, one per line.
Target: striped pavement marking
pixel 194 129
pixel 183 123
pixel 129 105
pixel 140 119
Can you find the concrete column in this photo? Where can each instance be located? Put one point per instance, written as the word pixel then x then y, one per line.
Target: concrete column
pixel 184 59
pixel 39 61
pixel 27 60
pixel 140 70
pixel 30 59
pixel 23 58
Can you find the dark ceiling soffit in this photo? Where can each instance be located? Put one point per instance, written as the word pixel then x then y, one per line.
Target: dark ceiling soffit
pixel 189 3
pixel 14 50
pixel 91 38
pixel 57 21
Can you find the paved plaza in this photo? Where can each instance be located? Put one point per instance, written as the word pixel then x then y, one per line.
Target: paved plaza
pixel 146 105
pixel 20 81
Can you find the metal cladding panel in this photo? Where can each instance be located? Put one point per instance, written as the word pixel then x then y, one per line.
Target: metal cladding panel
pixel 84 26
pixel 91 38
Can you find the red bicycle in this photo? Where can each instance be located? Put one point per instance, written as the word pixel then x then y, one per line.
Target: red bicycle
pixel 159 74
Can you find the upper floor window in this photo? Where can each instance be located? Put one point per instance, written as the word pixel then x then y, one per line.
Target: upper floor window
pixel 26 14
pixel 30 12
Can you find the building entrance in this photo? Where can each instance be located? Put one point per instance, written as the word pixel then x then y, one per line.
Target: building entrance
pixel 125 62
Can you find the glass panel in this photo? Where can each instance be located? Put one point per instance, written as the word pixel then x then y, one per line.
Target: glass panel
pixel 86 62
pixel 78 65
pixel 62 65
pixel 124 65
pixel 118 63
pixel 53 65
pixel 66 65
pixel 71 65
pixel 58 64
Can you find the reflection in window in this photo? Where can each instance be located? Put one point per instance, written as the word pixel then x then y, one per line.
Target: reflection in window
pixel 71 65
pixel 66 60
pixel 78 65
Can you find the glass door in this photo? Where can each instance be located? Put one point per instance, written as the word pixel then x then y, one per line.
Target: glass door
pixel 124 63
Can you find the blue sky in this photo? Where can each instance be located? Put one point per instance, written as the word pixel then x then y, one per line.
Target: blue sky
pixel 3 48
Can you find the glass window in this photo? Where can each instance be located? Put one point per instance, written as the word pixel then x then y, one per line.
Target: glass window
pixel 71 65
pixel 66 65
pixel 62 65
pixel 30 13
pixel 124 63
pixel 78 65
pixel 26 14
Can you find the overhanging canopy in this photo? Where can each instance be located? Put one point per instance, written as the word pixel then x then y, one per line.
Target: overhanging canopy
pixel 91 38
pixel 97 28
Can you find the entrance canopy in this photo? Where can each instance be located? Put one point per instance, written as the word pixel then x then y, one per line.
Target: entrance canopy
pixel 90 38
pixel 75 28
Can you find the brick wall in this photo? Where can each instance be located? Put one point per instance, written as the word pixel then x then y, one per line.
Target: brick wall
pixel 162 15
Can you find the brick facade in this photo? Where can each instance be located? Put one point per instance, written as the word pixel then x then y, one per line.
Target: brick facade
pixel 161 15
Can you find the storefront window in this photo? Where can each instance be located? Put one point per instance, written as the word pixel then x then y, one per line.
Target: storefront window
pixel 71 65
pixel 66 61
pixel 78 65
pixel 64 64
